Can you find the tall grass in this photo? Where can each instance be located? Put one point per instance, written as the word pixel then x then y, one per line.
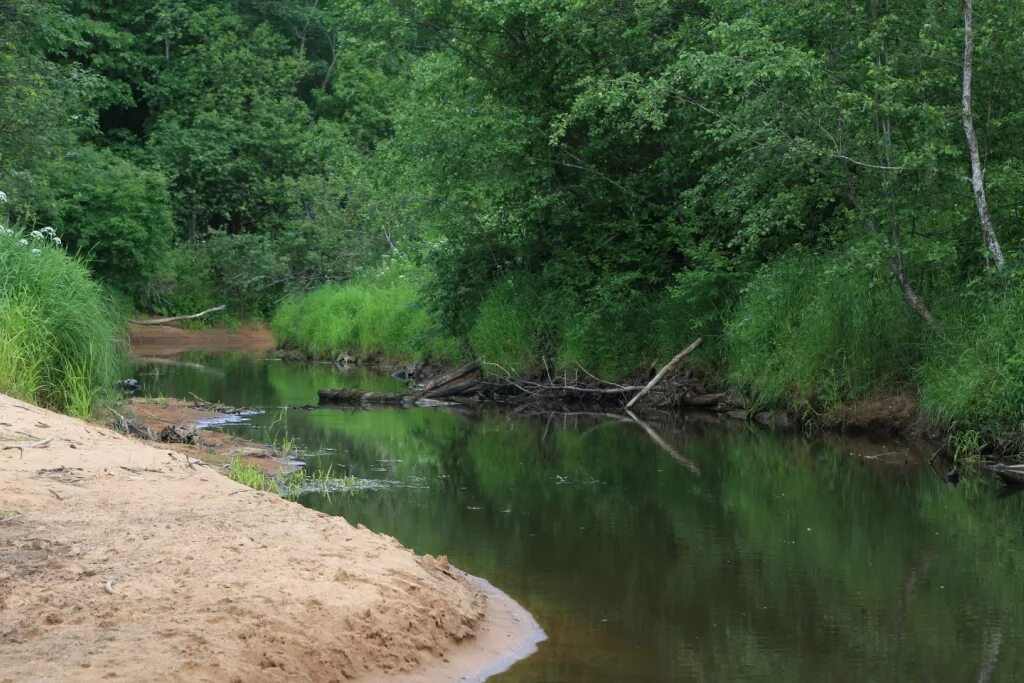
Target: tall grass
pixel 974 373
pixel 378 313
pixel 59 333
pixel 813 331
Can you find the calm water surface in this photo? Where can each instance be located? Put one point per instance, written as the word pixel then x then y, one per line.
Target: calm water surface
pixel 749 557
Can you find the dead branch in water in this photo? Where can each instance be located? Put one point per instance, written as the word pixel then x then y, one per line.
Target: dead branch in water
pixel 164 321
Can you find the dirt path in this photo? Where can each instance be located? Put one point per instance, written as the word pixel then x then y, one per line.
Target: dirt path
pixel 117 560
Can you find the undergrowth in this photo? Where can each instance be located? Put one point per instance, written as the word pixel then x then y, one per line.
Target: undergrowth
pixel 814 332
pixel 974 373
pixel 59 332
pixel 375 314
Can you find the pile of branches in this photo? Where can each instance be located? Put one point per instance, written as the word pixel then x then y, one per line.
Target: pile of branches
pixel 579 389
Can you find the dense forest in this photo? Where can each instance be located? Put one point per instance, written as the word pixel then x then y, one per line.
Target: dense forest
pixel 830 192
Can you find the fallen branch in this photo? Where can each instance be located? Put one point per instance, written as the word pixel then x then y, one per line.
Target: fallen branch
pixel 164 321
pixel 664 371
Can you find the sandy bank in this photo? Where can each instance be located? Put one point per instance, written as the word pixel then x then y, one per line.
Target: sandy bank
pixel 119 560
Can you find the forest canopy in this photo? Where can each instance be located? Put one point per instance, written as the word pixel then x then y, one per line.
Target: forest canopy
pixel 831 192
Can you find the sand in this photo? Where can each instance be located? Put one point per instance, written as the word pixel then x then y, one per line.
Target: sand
pixel 119 561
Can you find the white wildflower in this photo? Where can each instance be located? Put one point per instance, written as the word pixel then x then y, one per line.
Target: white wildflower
pixel 3 197
pixel 23 242
pixel 37 251
pixel 36 235
pixel 56 240
pixel 48 231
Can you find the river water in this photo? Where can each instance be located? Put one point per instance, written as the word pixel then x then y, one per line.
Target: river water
pixel 733 555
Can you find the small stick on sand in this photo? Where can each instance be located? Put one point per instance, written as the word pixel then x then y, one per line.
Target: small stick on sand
pixel 109 585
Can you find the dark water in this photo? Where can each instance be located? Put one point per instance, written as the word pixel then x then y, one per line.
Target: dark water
pixel 749 557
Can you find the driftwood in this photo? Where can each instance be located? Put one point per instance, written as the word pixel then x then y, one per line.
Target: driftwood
pixel 579 389
pixel 164 321
pixel 451 376
pixel 1012 475
pixel 664 371
pixel 460 382
pixel 356 396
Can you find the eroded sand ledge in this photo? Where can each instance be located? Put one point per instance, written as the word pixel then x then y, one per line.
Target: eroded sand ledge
pixel 211 580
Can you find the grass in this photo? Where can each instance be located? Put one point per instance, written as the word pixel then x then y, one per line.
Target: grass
pixel 815 331
pixel 974 373
pixel 288 485
pixel 59 331
pixel 376 314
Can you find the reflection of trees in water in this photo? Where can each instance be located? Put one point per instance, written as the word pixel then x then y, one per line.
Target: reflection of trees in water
pixel 785 560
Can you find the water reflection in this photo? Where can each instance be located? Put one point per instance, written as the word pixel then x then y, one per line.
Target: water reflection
pixel 771 558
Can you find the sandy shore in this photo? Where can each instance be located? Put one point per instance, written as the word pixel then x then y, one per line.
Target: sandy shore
pixel 118 560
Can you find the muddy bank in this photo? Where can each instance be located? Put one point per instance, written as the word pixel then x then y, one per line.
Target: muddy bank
pixel 118 559
pixel 161 341
pixel 211 445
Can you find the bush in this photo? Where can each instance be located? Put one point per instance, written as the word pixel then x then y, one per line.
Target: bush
pixel 59 335
pixel 814 331
pixel 116 214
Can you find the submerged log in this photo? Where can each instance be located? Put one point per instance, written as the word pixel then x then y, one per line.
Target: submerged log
pixel 1012 475
pixel 357 397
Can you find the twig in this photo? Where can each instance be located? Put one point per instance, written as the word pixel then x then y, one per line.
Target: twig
pixel 109 585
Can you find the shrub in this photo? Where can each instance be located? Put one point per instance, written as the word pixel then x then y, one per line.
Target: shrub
pixel 59 334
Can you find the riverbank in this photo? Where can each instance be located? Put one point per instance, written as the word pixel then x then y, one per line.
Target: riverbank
pixel 121 559
pixel 161 341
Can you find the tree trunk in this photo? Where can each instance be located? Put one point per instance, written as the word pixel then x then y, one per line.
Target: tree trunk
pixel 988 233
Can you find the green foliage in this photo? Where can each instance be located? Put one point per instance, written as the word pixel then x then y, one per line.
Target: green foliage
pixel 512 328
pixel 114 213
pixel 974 374
pixel 60 340
pixel 379 313
pixel 816 330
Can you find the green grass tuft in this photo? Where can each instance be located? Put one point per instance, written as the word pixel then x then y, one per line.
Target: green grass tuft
pixel 60 336
pixel 379 313
pixel 814 331
pixel 974 373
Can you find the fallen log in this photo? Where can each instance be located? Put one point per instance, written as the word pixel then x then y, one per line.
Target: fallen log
pixel 358 397
pixel 703 401
pixel 464 387
pixel 450 376
pixel 664 371
pixel 164 321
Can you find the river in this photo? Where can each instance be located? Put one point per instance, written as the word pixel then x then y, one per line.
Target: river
pixel 734 554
